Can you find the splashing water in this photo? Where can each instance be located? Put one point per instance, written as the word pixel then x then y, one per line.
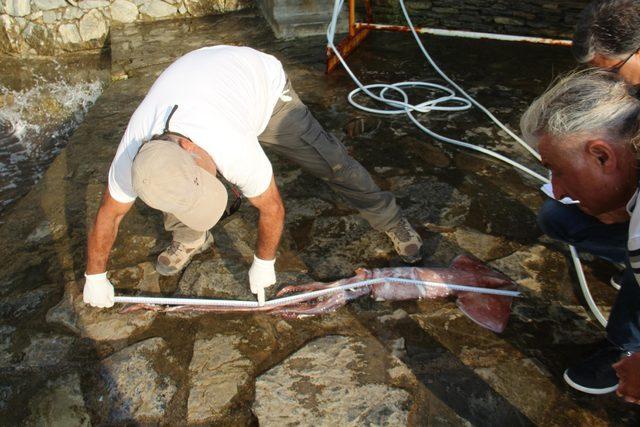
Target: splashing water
pixel 35 124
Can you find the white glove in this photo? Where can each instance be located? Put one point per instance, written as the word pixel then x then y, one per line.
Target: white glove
pixel 98 290
pixel 262 274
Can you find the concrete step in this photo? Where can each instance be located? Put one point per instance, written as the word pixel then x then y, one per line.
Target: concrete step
pixel 294 18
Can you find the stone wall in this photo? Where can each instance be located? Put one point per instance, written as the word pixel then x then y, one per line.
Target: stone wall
pixel 52 27
pixel 522 17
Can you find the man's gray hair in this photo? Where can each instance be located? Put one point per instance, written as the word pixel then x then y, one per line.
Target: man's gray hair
pixel 607 27
pixel 592 103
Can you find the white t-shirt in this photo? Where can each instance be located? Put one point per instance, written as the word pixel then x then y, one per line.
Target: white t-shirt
pixel 633 244
pixel 225 97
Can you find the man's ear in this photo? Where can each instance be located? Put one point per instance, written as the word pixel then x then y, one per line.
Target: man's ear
pixel 602 154
pixel 187 145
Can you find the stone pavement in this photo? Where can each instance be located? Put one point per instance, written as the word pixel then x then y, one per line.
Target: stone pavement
pixel 413 363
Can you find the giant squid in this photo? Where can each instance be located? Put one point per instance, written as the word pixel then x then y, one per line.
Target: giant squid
pixel 489 311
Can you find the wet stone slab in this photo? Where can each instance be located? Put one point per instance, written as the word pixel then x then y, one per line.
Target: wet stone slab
pixel 339 244
pixel 47 351
pixel 24 304
pixel 217 278
pixel 96 324
pixel 507 367
pixel 217 373
pixel 137 386
pixel 429 200
pixel 330 382
pixel 6 354
pixel 60 403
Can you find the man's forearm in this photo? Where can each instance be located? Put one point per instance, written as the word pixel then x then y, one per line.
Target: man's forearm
pixel 101 238
pixel 270 226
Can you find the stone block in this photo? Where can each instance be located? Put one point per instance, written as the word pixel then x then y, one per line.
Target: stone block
pixel 93 4
pixel 9 34
pixel 60 403
pixel 418 6
pixel 18 306
pixel 6 337
pixel 69 33
pixel 96 324
pixel 218 372
pixel 213 7
pixel 49 4
pixel 158 9
pixel 93 26
pixel 137 391
pixel 35 16
pixel 73 13
pixel 18 7
pixel 49 17
pixel 507 21
pixel 47 351
pixel 337 376
pixel 123 11
pixel 445 10
pixel 39 38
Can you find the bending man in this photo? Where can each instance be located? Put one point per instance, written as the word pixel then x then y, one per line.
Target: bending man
pixel 207 113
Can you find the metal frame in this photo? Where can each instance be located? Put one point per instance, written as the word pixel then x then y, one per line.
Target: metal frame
pixel 358 31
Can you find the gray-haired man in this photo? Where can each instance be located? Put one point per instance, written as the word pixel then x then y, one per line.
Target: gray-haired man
pixel 588 130
pixel 608 36
pixel 206 114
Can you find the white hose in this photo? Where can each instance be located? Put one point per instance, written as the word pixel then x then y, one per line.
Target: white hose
pixel 309 295
pixel 585 290
pixel 449 102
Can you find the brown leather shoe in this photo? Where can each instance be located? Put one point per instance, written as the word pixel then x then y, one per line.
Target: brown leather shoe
pixel 406 241
pixel 176 257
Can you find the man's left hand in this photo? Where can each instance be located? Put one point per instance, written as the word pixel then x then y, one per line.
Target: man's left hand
pixel 628 371
pixel 262 274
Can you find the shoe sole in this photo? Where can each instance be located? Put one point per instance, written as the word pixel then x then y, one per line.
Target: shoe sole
pixel 165 271
pixel 587 389
pixel 413 260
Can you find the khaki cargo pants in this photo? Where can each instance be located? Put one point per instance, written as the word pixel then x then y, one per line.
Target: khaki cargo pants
pixel 295 134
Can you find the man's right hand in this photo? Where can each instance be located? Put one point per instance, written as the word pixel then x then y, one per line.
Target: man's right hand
pixel 628 371
pixel 98 290
pixel 261 275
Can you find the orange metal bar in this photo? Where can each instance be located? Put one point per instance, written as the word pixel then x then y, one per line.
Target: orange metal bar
pixel 352 18
pixel 355 37
pixel 345 47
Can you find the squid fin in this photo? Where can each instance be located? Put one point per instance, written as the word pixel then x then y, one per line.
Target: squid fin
pixel 474 265
pixel 489 311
